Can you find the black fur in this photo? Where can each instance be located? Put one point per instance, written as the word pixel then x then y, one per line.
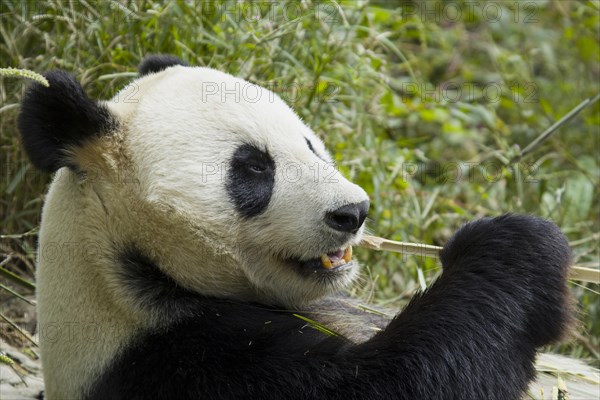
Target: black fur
pixel 54 118
pixel 250 180
pixel 151 288
pixel 471 335
pixel 311 148
pixel 158 62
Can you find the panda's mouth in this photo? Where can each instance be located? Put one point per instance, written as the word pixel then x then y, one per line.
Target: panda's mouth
pixel 333 261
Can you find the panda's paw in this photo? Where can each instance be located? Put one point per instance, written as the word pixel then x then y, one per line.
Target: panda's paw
pixel 525 257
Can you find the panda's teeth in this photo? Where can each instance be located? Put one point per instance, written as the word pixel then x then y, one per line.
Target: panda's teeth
pixel 347 254
pixel 328 264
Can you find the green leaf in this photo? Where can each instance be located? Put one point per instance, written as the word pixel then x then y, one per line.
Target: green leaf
pixel 317 326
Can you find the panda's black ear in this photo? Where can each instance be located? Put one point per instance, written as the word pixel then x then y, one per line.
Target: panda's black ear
pixel 158 62
pixel 56 119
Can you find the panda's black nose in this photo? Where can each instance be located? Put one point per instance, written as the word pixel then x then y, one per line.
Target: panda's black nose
pixel 348 218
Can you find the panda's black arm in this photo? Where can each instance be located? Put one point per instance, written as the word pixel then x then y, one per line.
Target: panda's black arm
pixel 471 335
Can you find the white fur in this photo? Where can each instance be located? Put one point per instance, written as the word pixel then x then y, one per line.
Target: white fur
pixel 159 182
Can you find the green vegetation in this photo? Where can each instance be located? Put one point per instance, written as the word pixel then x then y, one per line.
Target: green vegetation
pixel 425 105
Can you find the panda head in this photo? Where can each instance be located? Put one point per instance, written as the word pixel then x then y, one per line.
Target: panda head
pixel 214 179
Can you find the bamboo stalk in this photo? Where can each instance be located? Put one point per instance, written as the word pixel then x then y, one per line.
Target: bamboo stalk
pixel 582 274
pixel 14 277
pixel 556 126
pixel 16 327
pixel 417 249
pixel 585 274
pixel 9 290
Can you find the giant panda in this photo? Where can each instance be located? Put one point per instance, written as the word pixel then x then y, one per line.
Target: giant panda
pixel 185 242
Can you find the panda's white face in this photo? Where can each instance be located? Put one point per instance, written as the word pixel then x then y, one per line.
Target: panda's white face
pixel 256 188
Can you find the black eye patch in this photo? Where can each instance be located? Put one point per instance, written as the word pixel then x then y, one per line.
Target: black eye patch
pixel 310 146
pixel 250 180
